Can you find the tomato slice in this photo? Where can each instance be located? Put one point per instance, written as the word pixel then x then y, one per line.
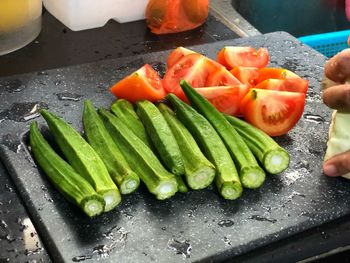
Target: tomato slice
pixel 276 73
pixel 274 112
pixel 246 75
pixel 143 84
pixel 194 68
pixel 225 99
pixel 294 85
pixel 221 77
pixel 243 56
pixel 177 54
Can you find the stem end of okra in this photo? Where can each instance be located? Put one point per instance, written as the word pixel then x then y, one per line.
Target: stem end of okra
pixel 276 161
pixel 93 205
pixel 252 177
pixel 201 179
pixel 111 197
pixel 231 190
pixel 129 184
pixel 166 190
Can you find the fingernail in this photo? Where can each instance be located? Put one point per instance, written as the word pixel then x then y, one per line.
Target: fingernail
pixel 330 170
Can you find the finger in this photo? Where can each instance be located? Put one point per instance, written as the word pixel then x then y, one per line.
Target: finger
pixel 338 67
pixel 337 97
pixel 337 165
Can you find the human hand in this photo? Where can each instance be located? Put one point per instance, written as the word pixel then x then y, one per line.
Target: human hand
pixel 337 96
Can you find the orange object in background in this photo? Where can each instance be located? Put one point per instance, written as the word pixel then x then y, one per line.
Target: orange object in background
pixel 171 16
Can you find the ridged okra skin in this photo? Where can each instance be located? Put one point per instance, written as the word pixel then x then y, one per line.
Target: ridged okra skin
pixel 140 157
pixel 161 136
pixel 99 138
pixel 226 178
pixel 273 157
pixel 250 173
pixel 71 184
pixel 83 158
pixel 199 171
pixel 125 111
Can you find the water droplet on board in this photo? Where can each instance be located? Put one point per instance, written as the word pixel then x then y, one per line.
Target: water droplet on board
pixel 314 118
pixel 262 219
pixel 324 235
pixel 23 111
pixel 127 215
pixel 302 164
pixel 3 224
pixel 42 73
pixel 48 198
pixel 81 258
pixel 227 241
pixel 9 188
pixel 180 247
pixel 12 85
pixel 226 223
pixel 68 96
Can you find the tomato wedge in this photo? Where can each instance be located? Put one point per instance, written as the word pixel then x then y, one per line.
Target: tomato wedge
pixel 246 75
pixel 177 54
pixel 225 99
pixel 294 85
pixel 276 73
pixel 243 56
pixel 221 77
pixel 143 84
pixel 194 68
pixel 274 112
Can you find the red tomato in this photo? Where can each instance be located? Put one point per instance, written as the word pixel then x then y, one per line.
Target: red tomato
pixel 194 68
pixel 225 99
pixel 177 54
pixel 221 77
pixel 276 73
pixel 274 112
pixel 243 56
pixel 295 85
pixel 246 75
pixel 143 84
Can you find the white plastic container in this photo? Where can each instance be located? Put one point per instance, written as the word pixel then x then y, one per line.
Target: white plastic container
pixel 85 14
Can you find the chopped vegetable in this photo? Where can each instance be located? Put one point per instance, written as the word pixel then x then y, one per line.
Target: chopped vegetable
pixel 250 173
pixel 71 184
pixel 163 139
pixel 83 159
pixel 273 157
pixel 199 172
pixel 140 157
pixel 99 138
pixel 226 179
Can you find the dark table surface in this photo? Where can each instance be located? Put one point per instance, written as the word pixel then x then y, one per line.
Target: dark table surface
pixel 57 46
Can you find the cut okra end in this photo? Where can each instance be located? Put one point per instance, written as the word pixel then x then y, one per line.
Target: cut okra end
pixel 231 190
pixel 112 198
pixel 93 205
pixel 166 190
pixel 276 161
pixel 201 179
pixel 252 177
pixel 129 184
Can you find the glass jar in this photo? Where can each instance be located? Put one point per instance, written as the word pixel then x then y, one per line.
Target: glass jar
pixel 20 23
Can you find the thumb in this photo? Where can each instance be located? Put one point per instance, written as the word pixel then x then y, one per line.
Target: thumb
pixel 337 165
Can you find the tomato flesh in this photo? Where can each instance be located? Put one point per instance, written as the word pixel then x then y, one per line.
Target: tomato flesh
pixel 243 56
pixel 274 112
pixel 276 73
pixel 246 75
pixel 143 84
pixel 177 54
pixel 294 85
pixel 221 77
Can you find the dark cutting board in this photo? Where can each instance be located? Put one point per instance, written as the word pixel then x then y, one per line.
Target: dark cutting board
pixel 195 226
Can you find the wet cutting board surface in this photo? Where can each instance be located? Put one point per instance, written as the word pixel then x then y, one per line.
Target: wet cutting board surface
pixel 194 226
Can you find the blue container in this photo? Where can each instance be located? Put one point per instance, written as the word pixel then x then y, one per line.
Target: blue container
pixel 328 44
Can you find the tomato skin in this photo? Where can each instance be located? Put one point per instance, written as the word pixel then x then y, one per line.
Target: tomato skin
pixel 177 54
pixel 243 56
pixel 293 85
pixel 276 73
pixel 225 99
pixel 246 75
pixel 143 84
pixel 274 112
